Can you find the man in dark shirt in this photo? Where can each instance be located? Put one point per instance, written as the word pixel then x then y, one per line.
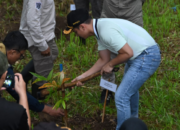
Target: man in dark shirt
pixel 13 116
pixel 16 45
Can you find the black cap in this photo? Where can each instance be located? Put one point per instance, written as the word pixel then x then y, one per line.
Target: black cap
pixel 75 18
pixel 133 123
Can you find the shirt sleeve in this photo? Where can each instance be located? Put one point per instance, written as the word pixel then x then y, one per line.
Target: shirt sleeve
pixel 33 21
pixel 100 46
pixel 113 39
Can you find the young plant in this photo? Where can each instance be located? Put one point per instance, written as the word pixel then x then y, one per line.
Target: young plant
pixel 59 80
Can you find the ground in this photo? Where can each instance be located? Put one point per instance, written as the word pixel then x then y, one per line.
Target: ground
pixel 159 96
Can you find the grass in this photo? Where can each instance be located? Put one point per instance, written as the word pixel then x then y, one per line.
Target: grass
pixel 159 103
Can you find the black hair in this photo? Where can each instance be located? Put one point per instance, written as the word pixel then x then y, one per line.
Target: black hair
pixel 15 40
pixel 88 21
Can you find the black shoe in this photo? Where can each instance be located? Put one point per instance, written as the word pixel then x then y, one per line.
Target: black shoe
pixel 103 95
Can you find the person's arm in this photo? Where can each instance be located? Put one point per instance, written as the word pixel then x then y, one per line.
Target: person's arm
pixel 33 22
pixel 104 57
pixel 124 54
pixel 20 88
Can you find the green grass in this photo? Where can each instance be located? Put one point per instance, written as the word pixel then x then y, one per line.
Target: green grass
pixel 159 105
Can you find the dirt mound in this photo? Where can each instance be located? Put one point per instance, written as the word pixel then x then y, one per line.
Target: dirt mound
pixel 91 123
pixel 78 122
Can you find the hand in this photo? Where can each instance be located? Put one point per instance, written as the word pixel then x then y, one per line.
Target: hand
pixel 106 69
pixel 3 88
pixel 2 79
pixel 78 83
pixel 20 85
pixel 46 52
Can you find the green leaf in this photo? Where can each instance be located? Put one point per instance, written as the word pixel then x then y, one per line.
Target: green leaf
pixel 63 104
pixel 90 94
pixel 177 55
pixel 58 103
pixel 55 75
pixel 39 76
pixel 37 80
pixel 50 75
pixel 68 94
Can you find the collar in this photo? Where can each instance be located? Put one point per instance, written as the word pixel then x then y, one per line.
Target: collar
pixel 95 28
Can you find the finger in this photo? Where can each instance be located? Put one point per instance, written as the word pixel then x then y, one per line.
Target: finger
pixel 101 71
pixel 73 80
pixel 19 75
pixel 61 112
pixel 16 79
pixel 3 88
pixel 79 83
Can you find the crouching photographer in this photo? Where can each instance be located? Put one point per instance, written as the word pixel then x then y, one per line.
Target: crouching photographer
pixel 13 116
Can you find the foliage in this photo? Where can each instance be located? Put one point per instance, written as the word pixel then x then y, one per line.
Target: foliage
pixel 54 84
pixel 159 96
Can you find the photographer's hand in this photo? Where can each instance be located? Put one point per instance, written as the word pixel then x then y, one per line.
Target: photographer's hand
pixel 20 88
pixel 20 85
pixel 2 79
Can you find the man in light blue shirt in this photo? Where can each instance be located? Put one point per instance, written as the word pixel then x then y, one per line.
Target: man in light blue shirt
pixel 131 44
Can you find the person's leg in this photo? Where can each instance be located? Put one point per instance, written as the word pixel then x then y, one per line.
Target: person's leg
pixel 96 7
pixel 134 98
pixel 109 8
pixel 42 64
pixel 139 71
pixel 27 76
pixel 130 10
pixel 82 4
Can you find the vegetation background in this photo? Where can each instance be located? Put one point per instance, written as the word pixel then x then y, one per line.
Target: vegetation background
pixel 159 104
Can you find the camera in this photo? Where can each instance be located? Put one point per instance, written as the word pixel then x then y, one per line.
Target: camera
pixel 9 80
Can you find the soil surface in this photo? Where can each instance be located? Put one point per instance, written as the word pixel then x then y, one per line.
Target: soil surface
pixel 78 122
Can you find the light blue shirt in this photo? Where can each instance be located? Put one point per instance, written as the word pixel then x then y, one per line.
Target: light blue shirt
pixel 113 34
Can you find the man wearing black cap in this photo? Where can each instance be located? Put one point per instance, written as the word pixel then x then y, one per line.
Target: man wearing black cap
pixel 96 7
pixel 131 44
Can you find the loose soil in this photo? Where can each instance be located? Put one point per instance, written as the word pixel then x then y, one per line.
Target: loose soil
pixel 78 122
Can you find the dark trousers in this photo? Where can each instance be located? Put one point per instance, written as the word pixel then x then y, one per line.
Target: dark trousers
pixel 34 104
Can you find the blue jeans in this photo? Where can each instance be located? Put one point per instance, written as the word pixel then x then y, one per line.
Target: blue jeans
pixel 137 71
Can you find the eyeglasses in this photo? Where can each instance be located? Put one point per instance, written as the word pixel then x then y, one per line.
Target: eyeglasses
pixel 21 56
